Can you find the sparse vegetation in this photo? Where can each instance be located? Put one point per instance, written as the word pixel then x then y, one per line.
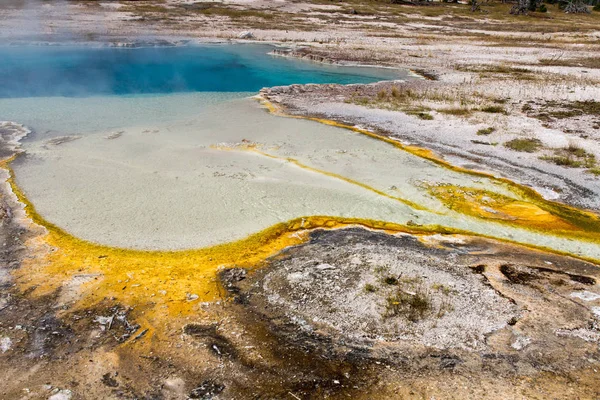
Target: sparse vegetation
pixel 409 297
pixel 528 145
pixel 445 307
pixel 500 71
pixel 564 161
pixel 562 110
pixel 412 306
pixel 415 280
pixel 421 115
pixel 212 10
pixel 586 62
pixel 572 156
pixel 442 289
pixel 577 151
pixel 594 171
pixel 494 110
pixel 369 288
pixel 486 131
pixel 419 102
pixel 382 269
pixel 526 107
pixel 455 111
pixel 590 107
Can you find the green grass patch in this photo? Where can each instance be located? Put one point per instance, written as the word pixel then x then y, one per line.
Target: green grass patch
pixel 421 115
pixel 524 145
pixel 486 131
pixel 563 161
pixel 369 288
pixel 572 156
pixel 594 171
pixel 577 151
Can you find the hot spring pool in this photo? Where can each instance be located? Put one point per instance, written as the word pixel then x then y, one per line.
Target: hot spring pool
pixel 90 71
pixel 164 149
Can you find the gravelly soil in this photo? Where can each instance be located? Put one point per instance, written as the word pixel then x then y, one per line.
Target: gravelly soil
pixel 509 310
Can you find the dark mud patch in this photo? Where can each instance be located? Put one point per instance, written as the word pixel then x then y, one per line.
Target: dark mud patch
pixel 112 322
pixel 38 331
pixel 109 380
pixel 218 344
pixel 256 362
pixel 478 269
pixel 526 275
pixel 586 280
pixel 519 274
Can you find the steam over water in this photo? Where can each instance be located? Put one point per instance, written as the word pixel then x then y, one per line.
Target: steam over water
pixel 85 71
pixel 208 165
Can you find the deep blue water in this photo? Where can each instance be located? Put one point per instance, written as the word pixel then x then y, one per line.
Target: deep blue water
pixel 31 71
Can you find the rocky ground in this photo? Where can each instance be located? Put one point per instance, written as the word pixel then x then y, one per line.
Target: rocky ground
pixel 350 313
pixel 429 304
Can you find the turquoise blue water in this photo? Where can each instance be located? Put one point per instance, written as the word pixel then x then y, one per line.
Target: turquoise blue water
pixel 34 71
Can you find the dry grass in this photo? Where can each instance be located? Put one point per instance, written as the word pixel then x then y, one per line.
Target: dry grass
pixel 493 109
pixel 459 111
pixel 233 13
pixel 557 110
pixel 419 101
pixel 494 16
pixel 500 71
pixel 586 62
pixel 250 18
